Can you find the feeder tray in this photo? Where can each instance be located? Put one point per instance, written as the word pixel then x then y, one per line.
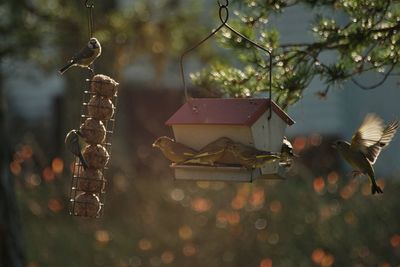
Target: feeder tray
pixel 223 173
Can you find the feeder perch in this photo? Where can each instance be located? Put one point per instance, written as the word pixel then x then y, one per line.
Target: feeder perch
pixel 203 120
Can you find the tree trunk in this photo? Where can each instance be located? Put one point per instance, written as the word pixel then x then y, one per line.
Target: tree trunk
pixel 12 253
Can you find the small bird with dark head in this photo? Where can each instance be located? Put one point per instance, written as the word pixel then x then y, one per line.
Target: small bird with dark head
pixel 366 145
pixel 72 144
pixel 174 151
pixel 85 57
pixel 287 154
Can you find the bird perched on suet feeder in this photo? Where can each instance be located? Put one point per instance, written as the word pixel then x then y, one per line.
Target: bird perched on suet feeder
pixel 72 142
pixel 366 145
pixel 85 57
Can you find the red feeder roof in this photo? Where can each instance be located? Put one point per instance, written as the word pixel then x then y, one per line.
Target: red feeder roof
pixel 225 111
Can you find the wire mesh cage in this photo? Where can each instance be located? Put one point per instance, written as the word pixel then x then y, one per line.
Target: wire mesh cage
pixel 88 186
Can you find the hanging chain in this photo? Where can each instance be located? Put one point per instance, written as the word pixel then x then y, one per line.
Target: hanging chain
pixel 224 16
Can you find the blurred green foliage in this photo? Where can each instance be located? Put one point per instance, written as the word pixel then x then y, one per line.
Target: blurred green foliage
pixel 363 34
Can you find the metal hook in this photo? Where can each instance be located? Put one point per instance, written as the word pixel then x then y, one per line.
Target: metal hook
pixel 88 5
pixel 224 20
pixel 223 5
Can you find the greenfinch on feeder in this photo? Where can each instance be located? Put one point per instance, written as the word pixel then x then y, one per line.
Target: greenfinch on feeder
pixel 366 145
pixel 251 157
pixel 212 153
pixel 73 145
pixel 175 152
pixel 85 57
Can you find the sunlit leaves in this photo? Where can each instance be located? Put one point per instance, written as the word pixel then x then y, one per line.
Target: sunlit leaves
pixel 364 37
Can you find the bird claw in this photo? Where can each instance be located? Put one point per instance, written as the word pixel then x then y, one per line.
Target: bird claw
pixel 91 70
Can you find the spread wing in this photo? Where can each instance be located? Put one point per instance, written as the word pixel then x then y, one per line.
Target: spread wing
pixel 387 136
pixel 372 137
pixel 369 133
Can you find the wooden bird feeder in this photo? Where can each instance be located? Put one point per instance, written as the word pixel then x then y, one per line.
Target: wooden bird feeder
pixel 259 123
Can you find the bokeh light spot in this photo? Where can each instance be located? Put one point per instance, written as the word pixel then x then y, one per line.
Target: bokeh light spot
pixel 257 197
pixel 15 168
pixel 145 244
pixel 299 144
pixel 260 224
pixel 102 236
pixel 350 218
pixel 189 250
pixel 32 180
pixel 275 206
pixel 48 175
pixel 185 232
pixel 319 184
pixel 26 152
pixel 57 165
pixel 317 255
pixel 395 240
pixel 55 205
pixel 266 263
pixel 315 139
pixel 327 261
pixel 273 238
pixel 167 257
pixel 238 202
pixel 201 204
pixel 177 194
pixel 333 177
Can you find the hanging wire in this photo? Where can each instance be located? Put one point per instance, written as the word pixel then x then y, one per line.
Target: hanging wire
pixel 224 16
pixel 90 17
pixel 90 7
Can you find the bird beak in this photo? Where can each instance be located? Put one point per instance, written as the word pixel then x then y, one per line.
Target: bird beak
pixel 154 145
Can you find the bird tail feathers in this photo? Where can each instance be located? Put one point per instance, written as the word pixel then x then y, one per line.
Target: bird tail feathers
pixel 66 67
pixel 376 189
